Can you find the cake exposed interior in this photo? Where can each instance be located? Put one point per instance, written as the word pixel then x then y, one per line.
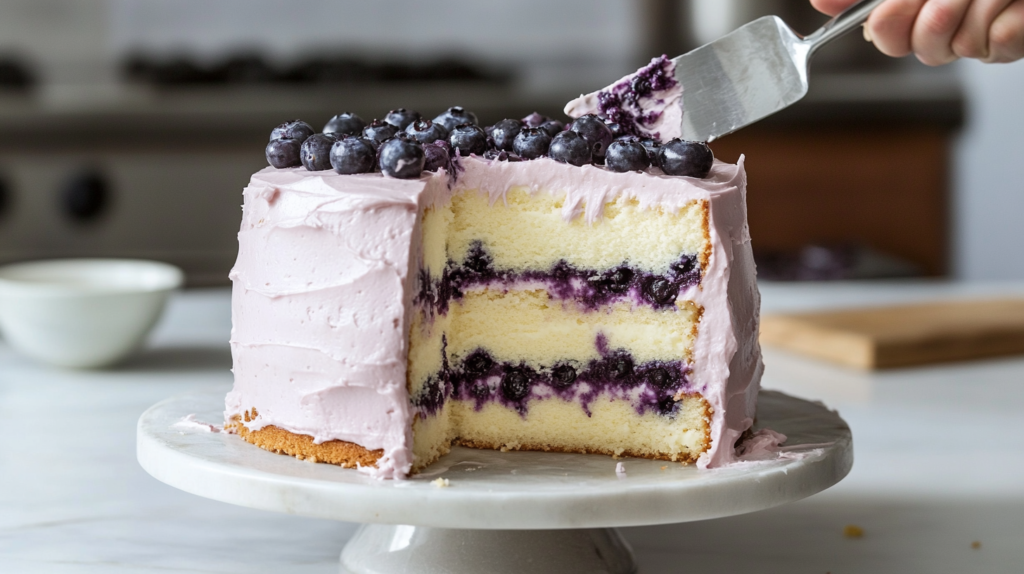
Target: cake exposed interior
pixel 530 332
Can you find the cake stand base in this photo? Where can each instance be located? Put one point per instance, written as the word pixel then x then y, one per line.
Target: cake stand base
pixel 388 549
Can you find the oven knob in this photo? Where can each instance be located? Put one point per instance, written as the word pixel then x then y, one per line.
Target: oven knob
pixel 86 196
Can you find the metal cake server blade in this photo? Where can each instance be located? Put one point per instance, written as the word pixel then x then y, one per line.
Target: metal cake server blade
pixel 753 72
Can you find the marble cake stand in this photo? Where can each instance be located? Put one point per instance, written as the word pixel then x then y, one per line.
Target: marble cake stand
pixel 501 512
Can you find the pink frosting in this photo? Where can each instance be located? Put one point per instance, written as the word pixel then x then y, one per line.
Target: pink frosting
pixel 325 276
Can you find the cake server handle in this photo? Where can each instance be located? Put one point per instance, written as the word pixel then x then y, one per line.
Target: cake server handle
pixel 844 22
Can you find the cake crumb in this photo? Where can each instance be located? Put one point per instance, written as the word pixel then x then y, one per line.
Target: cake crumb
pixel 853 531
pixel 620 470
pixel 664 467
pixel 440 483
pixel 976 545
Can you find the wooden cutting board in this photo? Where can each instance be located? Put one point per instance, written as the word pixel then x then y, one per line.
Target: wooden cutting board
pixel 883 337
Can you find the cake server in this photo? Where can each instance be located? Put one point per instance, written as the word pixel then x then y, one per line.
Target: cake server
pixel 753 72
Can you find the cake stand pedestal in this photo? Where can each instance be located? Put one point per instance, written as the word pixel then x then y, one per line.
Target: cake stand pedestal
pixel 500 511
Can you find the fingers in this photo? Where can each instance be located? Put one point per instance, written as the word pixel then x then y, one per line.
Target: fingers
pixel 972 40
pixel 1006 35
pixel 937 23
pixel 831 7
pixel 891 25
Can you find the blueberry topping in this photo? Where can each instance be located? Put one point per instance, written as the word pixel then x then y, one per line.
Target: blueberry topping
pixel 401 158
pixel 531 143
pixel 345 124
pixel 455 116
pixel 622 367
pixel 515 385
pixel 478 259
pixel 480 389
pixel 553 127
pixel 691 159
pixel 660 378
pixel 479 363
pixel 618 281
pixel 468 139
pixel 426 131
pixel 535 120
pixel 562 376
pixel 595 131
pixel 661 291
pixel 504 134
pixel 437 156
pixel 379 131
pixel 401 118
pixel 496 154
pixel 625 155
pixel 284 152
pixel 353 155
pixel 293 130
pixel 667 406
pixel 652 146
pixel 316 152
pixel 572 148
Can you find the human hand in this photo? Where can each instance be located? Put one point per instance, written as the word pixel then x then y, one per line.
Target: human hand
pixel 941 31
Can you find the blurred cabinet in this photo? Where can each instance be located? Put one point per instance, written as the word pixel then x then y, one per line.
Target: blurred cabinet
pixel 884 188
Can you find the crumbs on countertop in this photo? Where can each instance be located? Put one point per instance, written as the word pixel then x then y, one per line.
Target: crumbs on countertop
pixel 853 531
pixel 440 483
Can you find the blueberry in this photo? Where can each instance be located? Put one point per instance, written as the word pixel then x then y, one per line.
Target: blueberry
pixel 316 152
pixel 353 155
pixel 685 265
pixel 496 154
pixel 660 378
pixel 661 291
pixel 553 127
pixel 572 148
pixel 616 129
pixel 401 118
pixel 426 131
pixel 480 389
pixel 468 139
pixel 691 159
pixel 478 363
pixel 622 366
pixel 401 158
pixel 345 124
pixel 284 152
pixel 531 143
pixel 293 130
pixel 624 155
pixel 594 130
pixel 515 385
pixel 504 134
pixel 379 131
pixel 618 281
pixel 562 376
pixel 437 157
pixel 535 120
pixel 455 116
pixel 652 146
pixel 667 406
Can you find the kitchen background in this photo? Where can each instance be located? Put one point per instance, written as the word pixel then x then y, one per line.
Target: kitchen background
pixel 129 127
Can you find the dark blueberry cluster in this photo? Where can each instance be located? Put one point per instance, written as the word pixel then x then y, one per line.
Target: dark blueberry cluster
pixel 480 379
pixel 589 288
pixel 404 144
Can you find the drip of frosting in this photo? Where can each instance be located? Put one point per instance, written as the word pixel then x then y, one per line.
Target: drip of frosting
pixel 646 103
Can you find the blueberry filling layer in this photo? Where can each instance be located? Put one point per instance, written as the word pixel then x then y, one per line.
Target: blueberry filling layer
pixel 620 104
pixel 479 379
pixel 590 288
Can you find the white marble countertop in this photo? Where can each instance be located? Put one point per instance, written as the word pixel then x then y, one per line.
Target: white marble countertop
pixel 938 466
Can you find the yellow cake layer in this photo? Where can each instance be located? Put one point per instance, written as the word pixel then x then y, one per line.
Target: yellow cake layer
pixel 613 427
pixel 531 328
pixel 528 232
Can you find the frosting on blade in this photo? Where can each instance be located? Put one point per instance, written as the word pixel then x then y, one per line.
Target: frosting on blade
pixel 646 103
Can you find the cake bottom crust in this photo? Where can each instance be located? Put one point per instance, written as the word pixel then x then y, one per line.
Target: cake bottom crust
pixel 302 447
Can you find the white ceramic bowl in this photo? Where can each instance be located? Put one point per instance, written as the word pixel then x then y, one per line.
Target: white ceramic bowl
pixel 83 313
